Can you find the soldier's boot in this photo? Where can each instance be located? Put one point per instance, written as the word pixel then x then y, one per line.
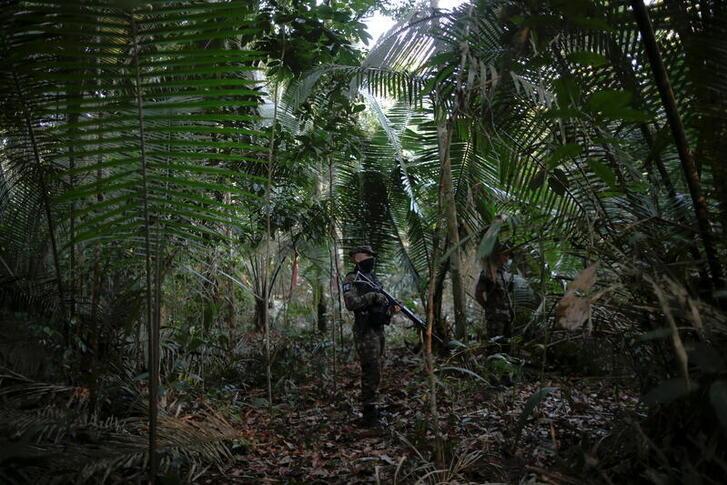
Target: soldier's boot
pixel 371 418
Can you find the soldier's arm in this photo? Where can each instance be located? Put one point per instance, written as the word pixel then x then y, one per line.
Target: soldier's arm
pixel 351 297
pixel 480 290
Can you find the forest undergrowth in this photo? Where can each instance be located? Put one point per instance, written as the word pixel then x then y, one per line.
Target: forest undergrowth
pixel 493 429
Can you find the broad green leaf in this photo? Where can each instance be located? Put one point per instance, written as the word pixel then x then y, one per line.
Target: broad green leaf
pixel 569 150
pixel 604 172
pixel 609 99
pixel 567 91
pixel 487 244
pixel 615 104
pixel 537 181
pixel 639 187
pixel 586 58
pixel 558 181
pixel 629 114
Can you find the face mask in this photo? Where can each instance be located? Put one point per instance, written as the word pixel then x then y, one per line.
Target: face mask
pixel 367 265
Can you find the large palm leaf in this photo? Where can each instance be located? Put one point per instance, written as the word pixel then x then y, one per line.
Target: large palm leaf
pixel 139 120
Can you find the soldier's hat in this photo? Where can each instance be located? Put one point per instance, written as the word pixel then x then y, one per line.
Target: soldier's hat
pixel 362 249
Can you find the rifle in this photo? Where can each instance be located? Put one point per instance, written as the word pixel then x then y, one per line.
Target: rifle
pixel 361 278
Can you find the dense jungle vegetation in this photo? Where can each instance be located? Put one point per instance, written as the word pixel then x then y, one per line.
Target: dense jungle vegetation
pixel 181 183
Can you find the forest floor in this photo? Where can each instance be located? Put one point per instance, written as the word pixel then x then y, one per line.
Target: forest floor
pixel 311 434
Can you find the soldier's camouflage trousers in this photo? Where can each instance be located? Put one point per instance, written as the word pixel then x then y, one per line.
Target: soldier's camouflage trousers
pixel 498 323
pixel 370 348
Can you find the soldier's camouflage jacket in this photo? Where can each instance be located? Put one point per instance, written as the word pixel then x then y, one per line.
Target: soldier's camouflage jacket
pixel 493 293
pixel 370 308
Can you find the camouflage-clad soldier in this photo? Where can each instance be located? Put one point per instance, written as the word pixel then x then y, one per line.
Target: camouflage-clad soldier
pixel 493 293
pixel 372 312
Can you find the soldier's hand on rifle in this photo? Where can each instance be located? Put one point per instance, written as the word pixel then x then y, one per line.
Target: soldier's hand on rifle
pixel 376 299
pixel 395 309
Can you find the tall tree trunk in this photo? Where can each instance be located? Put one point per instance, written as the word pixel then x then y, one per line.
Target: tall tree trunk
pixel 449 210
pixel 334 251
pixel 675 122
pixel 268 233
pixel 157 317
pixel 75 93
pixel 335 275
pixel 153 330
pixel 96 287
pixel 429 360
pixel 321 307
pixel 293 283
pixel 230 302
pixel 333 281
pixel 447 199
pixel 230 314
pixel 441 328
pixel 333 288
pixel 259 316
pixel 73 119
pixel 431 306
pixel 701 34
